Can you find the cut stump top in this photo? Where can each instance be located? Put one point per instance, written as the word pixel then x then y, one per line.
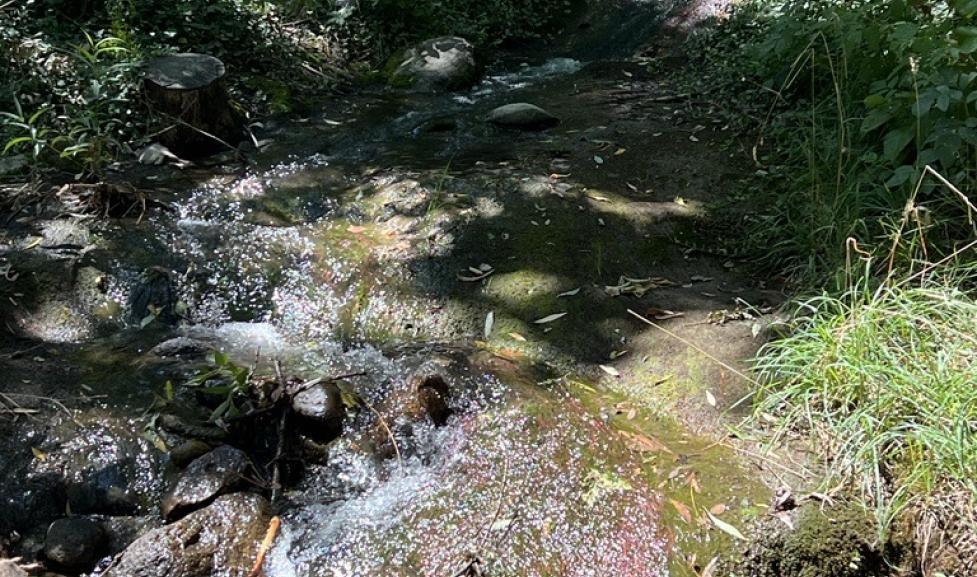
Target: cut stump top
pixel 187 71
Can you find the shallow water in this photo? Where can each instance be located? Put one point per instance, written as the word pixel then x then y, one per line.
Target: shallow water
pixel 341 252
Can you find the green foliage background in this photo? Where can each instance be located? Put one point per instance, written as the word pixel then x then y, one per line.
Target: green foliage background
pixel 858 97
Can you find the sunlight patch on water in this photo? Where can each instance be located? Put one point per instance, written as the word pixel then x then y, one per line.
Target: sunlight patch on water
pixel 520 78
pixel 530 487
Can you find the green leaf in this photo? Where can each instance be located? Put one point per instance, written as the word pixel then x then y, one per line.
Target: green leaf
pixel 966 37
pixel 901 175
pixel 896 141
pixel 875 119
pixel 168 390
pixel 14 142
pixel 966 8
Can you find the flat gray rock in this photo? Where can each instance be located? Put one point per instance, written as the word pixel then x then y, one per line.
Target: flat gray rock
pixel 187 71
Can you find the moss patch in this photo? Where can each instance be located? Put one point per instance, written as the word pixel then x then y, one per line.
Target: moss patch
pixel 837 542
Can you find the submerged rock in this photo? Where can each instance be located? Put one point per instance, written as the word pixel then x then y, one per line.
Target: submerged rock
pixel 214 474
pixel 100 468
pixel 439 64
pixel 221 539
pixel 155 298
pixel 549 486
pixel 321 411
pixel 122 531
pixel 522 116
pixel 187 451
pixel 181 347
pixel 432 395
pixel 74 543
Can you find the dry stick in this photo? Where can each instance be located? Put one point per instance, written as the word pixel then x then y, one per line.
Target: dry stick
pixel 383 423
pixel 236 150
pixel 273 526
pixel 708 355
pixel 800 475
pixel 276 486
pixel 498 509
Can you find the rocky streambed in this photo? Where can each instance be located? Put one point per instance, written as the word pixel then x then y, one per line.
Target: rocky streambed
pixel 430 300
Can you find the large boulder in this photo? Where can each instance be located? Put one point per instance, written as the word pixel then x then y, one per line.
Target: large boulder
pixel 209 476
pixel 522 116
pixel 221 539
pixel 436 65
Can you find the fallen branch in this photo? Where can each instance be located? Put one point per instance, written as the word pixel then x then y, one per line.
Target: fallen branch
pixel 273 526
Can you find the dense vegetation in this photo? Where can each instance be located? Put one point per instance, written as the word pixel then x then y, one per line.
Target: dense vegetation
pixel 69 71
pixel 867 142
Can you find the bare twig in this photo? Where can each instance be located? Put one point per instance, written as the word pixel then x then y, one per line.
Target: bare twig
pixel 390 433
pixel 692 345
pixel 276 485
pixel 273 526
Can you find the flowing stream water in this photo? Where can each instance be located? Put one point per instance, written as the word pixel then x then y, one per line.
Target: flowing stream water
pixel 344 249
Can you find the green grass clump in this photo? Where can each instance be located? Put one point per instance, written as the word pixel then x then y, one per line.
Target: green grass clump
pixel 886 382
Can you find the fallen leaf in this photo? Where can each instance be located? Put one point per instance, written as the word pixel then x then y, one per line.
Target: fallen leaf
pixel 598 159
pixel 710 568
pixel 39 454
pixel 755 330
pixel 645 444
pixel 355 229
pixel 711 399
pixel 726 527
pixel 718 509
pixel 550 318
pixel 501 525
pixel 700 278
pixel 518 337
pixel 480 273
pixel 683 510
pixel 785 519
pixel 572 293
pixel 610 370
pixel 663 315
pixel 489 323
pixel 620 151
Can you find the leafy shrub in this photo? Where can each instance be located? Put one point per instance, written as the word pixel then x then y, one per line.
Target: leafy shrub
pixel 862 96
pixel 395 23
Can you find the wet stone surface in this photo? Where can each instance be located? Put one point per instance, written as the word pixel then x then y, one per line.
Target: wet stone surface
pixel 74 544
pixel 204 479
pixel 350 247
pixel 219 540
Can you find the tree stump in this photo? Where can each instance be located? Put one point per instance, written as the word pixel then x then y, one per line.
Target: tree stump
pixel 188 91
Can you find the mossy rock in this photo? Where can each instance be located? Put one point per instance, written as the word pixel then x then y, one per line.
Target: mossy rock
pixel 836 542
pixel 437 65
